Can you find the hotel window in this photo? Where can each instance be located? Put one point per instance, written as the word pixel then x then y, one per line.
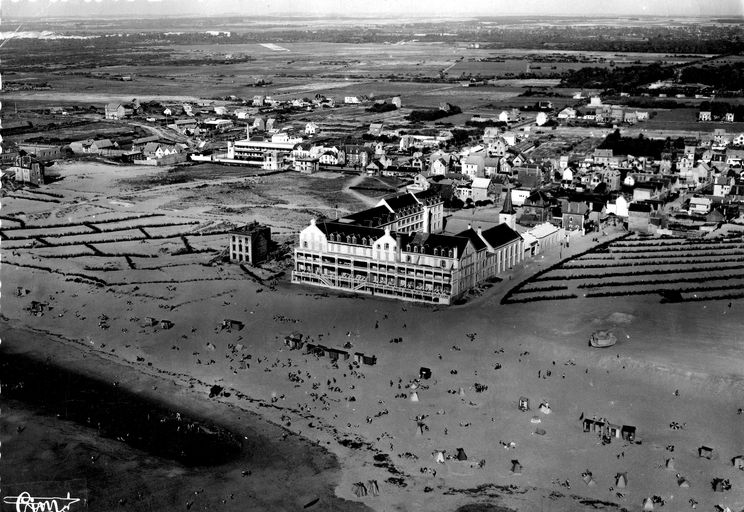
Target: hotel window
pixel 387 247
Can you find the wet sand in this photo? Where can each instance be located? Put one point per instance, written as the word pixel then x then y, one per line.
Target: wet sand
pixel 48 445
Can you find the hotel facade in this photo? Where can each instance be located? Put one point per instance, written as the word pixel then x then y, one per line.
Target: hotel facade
pixel 398 256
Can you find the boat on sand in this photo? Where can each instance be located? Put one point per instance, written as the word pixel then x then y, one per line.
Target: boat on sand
pixel 601 339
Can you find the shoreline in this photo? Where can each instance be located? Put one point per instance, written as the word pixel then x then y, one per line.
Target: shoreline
pixel 166 390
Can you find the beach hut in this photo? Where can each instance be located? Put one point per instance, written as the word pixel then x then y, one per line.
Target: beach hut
pixel 545 408
pixel 628 432
pixel 424 373
pixel 516 467
pixel 461 454
pixel 705 452
pixel 166 324
pixel 669 464
pixel 369 360
pixel 612 430
pixel 358 357
pixel 150 322
pixel 738 462
pixel 232 324
pixel 621 480
pixel 722 508
pixel 524 403
pixel 414 397
pixel 648 504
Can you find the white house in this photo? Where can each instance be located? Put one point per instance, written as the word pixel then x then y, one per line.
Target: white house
pixel 541 118
pixel 567 113
pixel 700 205
pixel 351 99
pixel 311 129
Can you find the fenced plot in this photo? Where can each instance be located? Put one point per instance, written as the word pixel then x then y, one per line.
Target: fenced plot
pixel 676 269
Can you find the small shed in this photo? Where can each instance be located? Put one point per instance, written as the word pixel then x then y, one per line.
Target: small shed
pixel 524 403
pixel 369 360
pixel 706 452
pixel 166 324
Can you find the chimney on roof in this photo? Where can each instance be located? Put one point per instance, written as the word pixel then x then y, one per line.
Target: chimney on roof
pixel 470 227
pixel 480 231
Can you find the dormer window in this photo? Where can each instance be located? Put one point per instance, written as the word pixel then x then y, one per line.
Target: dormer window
pixel 451 253
pixel 408 247
pixel 415 249
pixel 348 239
pixel 436 251
pixel 354 239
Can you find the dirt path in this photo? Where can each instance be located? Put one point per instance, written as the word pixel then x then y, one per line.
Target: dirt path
pixel 355 181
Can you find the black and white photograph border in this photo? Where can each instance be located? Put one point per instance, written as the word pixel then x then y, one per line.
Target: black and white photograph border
pixel 390 256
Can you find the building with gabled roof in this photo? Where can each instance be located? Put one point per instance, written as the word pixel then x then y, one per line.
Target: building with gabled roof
pixel 391 250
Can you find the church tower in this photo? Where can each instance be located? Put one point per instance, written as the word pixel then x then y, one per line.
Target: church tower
pixel 508 215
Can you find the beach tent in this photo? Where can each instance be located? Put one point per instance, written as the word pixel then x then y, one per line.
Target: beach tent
pixel 536 419
pixel 540 431
pixel 424 373
pixel 721 485
pixel 439 457
pixel 705 452
pixel 588 479
pixel 621 480
pixel 738 462
pixel 359 489
pixel 722 508
pixel 648 504
pixel 420 427
pixel 414 397
pixel 462 392
pixel 461 454
pixel 545 408
pixel 374 489
pixel 682 482
pixel 669 464
pixel 516 467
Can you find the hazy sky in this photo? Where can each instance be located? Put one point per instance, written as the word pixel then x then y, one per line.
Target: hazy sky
pixel 427 8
